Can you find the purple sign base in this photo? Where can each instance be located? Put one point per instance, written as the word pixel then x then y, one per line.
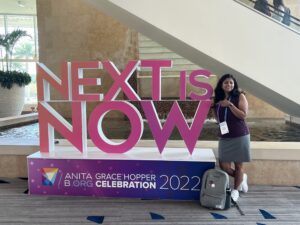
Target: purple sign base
pixel 142 173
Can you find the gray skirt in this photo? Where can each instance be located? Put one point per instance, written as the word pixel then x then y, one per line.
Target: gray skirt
pixel 235 149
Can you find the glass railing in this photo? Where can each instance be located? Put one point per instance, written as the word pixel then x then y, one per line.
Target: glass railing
pixel 283 16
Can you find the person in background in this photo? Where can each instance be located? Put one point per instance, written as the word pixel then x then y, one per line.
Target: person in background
pixel 262 6
pixel 230 109
pixel 281 12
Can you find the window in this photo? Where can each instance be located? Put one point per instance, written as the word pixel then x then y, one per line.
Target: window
pixel 25 54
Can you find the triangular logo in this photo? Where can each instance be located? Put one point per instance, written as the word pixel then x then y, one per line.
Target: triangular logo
pixel 49 176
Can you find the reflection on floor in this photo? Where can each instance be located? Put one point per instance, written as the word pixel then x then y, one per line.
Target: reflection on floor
pixel 261 205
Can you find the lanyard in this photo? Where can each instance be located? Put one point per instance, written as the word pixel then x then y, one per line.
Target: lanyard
pixel 225 113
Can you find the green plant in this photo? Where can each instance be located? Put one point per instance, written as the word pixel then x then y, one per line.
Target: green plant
pixel 8 77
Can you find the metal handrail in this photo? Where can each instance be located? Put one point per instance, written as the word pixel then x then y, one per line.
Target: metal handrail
pixel 275 11
pixel 293 20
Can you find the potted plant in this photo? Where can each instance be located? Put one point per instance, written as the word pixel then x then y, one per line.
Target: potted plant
pixel 12 82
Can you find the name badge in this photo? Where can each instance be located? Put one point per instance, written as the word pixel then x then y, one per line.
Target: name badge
pixel 224 128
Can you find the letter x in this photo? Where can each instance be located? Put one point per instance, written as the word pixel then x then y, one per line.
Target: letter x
pixel 120 80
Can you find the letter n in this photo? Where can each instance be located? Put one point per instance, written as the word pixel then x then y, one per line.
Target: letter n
pixel 45 77
pixel 49 119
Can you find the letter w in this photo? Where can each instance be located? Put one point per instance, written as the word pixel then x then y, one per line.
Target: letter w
pixel 176 119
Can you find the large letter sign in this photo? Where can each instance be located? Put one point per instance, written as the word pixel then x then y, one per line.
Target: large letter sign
pixel 99 137
pixel 175 118
pixel 71 87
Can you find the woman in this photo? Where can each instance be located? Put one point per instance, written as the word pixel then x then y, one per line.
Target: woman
pixel 231 107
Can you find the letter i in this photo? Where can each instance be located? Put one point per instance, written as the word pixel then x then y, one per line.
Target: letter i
pixel 182 85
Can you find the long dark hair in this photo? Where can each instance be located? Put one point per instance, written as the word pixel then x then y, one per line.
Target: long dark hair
pixel 219 92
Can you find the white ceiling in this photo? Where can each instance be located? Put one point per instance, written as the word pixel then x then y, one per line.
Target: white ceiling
pixel 18 7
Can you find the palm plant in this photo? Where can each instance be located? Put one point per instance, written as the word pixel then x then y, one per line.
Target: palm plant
pixel 8 77
pixel 8 41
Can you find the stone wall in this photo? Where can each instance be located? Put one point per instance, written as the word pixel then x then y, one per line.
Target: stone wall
pixel 71 30
pixel 260 109
pixel 273 172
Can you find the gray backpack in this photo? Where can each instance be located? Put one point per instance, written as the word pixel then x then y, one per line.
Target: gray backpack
pixel 215 191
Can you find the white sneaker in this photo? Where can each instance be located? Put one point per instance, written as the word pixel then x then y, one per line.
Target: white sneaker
pixel 235 195
pixel 244 185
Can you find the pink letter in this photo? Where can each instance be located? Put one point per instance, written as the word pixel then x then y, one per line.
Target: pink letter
pixel 46 76
pixel 99 138
pixel 49 120
pixel 121 80
pixel 176 118
pixel 79 81
pixel 206 86
pixel 182 85
pixel 156 66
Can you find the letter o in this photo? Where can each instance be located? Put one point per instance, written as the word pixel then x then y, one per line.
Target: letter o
pixel 99 138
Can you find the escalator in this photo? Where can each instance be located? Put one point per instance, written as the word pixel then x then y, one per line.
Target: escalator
pixel 224 37
pixel 282 15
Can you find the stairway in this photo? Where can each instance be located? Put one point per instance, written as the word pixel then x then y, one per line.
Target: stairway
pixel 223 37
pixel 149 49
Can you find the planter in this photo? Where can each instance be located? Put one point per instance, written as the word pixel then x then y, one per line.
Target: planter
pixel 11 101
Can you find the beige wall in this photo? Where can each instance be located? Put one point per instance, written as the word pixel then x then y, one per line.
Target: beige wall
pixel 13 166
pixel 260 109
pixel 273 172
pixel 72 30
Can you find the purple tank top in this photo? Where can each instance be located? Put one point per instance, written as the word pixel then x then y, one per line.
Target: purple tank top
pixel 237 127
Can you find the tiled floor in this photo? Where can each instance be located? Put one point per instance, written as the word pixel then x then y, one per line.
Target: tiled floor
pixel 261 205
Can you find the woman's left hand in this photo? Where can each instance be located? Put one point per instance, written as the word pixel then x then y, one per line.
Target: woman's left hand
pixel 225 103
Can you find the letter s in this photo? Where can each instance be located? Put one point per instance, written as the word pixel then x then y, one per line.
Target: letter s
pixel 206 86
